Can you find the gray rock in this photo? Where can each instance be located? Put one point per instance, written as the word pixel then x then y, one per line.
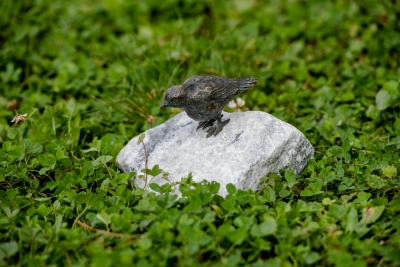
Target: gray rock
pixel 250 146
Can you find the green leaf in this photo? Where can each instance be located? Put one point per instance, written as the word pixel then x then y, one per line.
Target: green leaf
pixel 363 196
pixel 43 170
pixel 8 249
pixel 43 159
pixel 306 193
pixel 96 144
pixel 392 87
pixel 383 99
pixel 185 220
pixel 102 159
pixel 104 217
pixel 51 161
pixel 346 146
pixel 270 194
pixel 231 189
pixel 290 177
pixel 43 210
pixel 104 184
pixel 375 181
pixel 56 205
pixel 10 214
pixel 214 187
pixel 11 193
pixel 340 172
pixel 165 176
pixel 265 228
pixel 155 187
pixel 12 133
pixel 42 199
pixel 284 193
pixel 141 138
pixel 347 181
pixel 351 219
pixel 120 189
pixel 389 171
pixel 371 214
pixel 311 257
pixel 89 150
pixel 7 211
pixel 59 154
pixel 342 187
pixel 226 230
pixel 122 178
pixel 316 187
pixel 145 244
pixel 6 146
pixel 327 201
pixel 243 221
pixel 154 171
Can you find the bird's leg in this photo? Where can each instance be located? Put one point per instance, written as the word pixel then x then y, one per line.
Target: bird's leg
pixel 205 124
pixel 216 129
pixel 220 126
pixel 209 123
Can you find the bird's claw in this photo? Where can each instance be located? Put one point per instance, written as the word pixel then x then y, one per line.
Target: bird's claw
pixel 216 129
pixel 205 124
pixel 220 126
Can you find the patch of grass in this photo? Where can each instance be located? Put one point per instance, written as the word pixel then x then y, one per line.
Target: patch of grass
pixel 91 74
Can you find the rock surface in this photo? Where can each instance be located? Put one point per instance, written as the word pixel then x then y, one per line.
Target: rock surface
pixel 250 146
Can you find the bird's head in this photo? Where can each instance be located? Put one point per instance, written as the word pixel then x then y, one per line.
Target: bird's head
pixel 174 97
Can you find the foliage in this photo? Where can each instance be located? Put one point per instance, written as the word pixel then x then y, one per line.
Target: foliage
pixel 91 74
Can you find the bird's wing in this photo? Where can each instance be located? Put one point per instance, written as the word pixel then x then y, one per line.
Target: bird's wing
pixel 224 92
pixel 206 79
pixel 200 92
pixel 191 80
pixel 212 91
pixel 213 96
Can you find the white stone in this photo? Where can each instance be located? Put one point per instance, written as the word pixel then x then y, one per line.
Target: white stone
pixel 249 147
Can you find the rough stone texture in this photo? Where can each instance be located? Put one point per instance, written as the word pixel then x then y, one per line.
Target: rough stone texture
pixel 250 146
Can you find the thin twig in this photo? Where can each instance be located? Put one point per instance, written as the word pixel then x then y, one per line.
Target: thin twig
pixel 229 250
pixel 306 83
pixel 21 136
pixel 8 182
pixel 145 165
pixel 381 261
pixel 108 170
pixel 80 214
pixel 72 154
pixel 68 259
pixel 88 227
pixel 365 151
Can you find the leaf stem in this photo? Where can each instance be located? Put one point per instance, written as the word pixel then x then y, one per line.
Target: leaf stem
pixel 80 214
pixel 88 227
pixel 145 165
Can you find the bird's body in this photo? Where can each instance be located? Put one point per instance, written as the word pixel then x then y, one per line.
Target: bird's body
pixel 204 97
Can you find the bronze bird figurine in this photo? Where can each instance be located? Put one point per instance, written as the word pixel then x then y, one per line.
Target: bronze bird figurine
pixel 203 98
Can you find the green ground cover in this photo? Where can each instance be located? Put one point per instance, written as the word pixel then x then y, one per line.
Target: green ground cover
pixel 91 74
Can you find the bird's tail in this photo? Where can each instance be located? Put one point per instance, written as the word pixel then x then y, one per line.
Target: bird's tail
pixel 246 83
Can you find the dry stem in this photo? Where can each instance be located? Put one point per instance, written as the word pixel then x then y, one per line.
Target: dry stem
pixel 88 227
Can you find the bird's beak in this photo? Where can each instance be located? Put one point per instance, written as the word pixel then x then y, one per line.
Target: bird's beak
pixel 163 105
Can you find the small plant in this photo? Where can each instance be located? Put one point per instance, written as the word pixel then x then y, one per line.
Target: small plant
pixel 155 171
pixel 146 160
